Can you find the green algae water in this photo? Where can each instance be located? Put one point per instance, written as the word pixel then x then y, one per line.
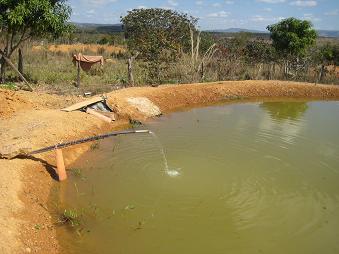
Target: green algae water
pixel 250 178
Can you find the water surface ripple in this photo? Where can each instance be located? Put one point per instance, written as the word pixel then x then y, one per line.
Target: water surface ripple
pixel 252 178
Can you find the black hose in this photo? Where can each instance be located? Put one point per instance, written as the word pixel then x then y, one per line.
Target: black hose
pixel 84 140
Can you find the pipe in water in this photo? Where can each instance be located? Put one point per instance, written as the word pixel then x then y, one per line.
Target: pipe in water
pixel 61 170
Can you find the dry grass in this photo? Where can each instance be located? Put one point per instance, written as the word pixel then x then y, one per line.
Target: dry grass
pixel 333 69
pixel 91 48
pixel 50 68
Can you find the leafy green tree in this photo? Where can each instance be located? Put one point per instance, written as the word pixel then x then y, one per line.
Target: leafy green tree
pixel 159 36
pixel 21 20
pixel 292 36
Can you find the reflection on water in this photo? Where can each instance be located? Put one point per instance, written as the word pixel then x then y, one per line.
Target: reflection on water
pixel 253 179
pixel 285 110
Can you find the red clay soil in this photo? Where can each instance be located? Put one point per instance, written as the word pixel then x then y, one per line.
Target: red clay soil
pixel 29 121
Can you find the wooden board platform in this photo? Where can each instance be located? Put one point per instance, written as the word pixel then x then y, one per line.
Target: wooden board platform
pixel 83 104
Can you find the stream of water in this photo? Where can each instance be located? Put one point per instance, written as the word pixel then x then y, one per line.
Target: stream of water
pixel 241 178
pixel 168 171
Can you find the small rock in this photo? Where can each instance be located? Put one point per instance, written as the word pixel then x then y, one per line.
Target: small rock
pixel 145 106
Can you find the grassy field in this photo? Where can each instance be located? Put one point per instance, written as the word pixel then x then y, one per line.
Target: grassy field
pixel 49 67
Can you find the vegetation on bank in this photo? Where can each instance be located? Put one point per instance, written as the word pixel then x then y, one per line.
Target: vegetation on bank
pixel 162 46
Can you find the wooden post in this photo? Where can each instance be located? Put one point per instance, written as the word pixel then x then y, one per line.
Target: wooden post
pixel 60 165
pixel 78 74
pixel 130 72
pixel 202 71
pixel 130 69
pixel 321 73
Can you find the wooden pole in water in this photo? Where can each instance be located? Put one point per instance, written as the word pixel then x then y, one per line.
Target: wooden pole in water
pixel 60 165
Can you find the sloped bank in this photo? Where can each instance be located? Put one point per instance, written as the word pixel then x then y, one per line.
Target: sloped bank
pixel 25 223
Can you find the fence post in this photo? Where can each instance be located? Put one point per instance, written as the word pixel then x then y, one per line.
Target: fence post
pixel 78 74
pixel 130 71
pixel 202 71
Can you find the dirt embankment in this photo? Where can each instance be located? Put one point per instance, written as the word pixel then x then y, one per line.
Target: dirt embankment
pixel 31 121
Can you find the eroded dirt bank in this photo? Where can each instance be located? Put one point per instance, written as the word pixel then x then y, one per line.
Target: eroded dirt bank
pixel 31 121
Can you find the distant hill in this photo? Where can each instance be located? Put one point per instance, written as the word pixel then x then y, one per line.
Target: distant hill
pixel 321 33
pixel 116 28
pixel 328 33
pixel 100 28
pixel 236 30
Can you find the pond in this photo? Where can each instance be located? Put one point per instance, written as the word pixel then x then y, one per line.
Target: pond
pixel 239 178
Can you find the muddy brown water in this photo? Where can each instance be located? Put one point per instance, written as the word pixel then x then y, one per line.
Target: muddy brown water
pixel 250 178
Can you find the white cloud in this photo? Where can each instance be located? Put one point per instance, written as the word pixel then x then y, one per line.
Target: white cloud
pixel 310 17
pixel 268 9
pixel 272 1
pixel 216 4
pixel 142 7
pixel 260 18
pixel 167 7
pixel 220 14
pixel 172 3
pixel 229 2
pixel 89 13
pixel 304 3
pixel 98 2
pixel 332 13
pixel 199 2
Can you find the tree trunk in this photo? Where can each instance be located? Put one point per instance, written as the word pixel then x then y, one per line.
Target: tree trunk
pixel 8 61
pixel 21 62
pixel 2 70
pixel 321 74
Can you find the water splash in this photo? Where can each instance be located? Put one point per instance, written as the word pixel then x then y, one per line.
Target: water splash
pixel 168 171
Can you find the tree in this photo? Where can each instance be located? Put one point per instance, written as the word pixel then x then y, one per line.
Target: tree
pixel 159 36
pixel 21 20
pixel 261 53
pixel 292 36
pixel 325 55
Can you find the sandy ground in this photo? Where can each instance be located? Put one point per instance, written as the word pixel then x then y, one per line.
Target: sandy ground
pixel 31 120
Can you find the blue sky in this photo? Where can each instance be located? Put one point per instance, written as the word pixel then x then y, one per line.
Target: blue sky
pixel 216 14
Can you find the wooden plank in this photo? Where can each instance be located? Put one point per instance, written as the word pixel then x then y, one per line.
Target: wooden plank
pixel 98 115
pixel 83 104
pixel 108 114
